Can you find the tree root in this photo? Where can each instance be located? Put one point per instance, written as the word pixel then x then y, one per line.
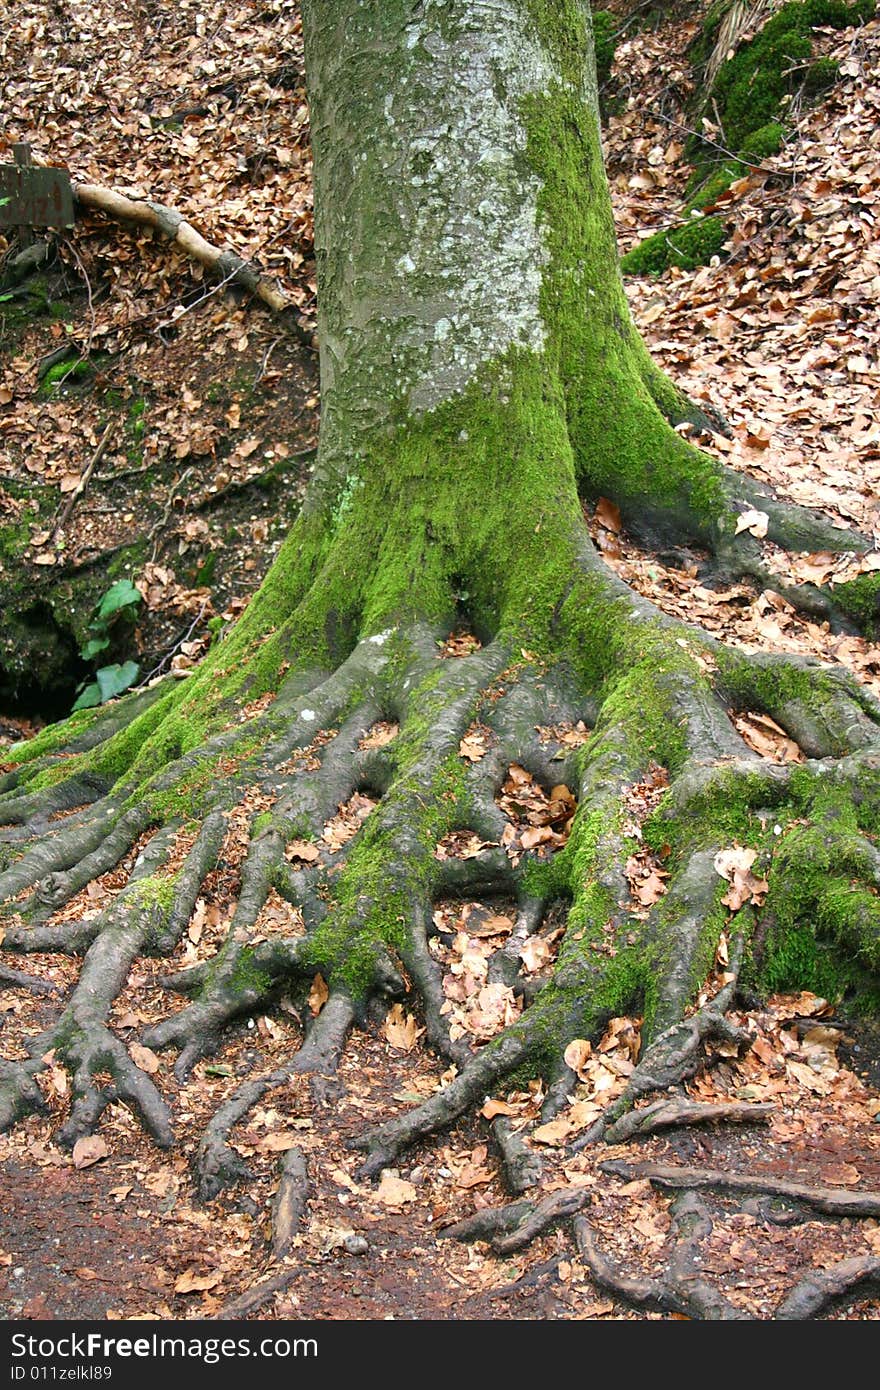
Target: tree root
pixel 829 1200
pixel 521 1166
pixel 681 1290
pixel 673 1056
pixel 23 981
pixel 662 783
pixel 667 1114
pixel 258 1295
pixel 511 1228
pixel 818 1290
pixel 217 1164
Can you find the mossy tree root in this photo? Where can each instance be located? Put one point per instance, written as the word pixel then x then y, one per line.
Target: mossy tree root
pixel 101 1067
pixel 719 792
pixel 657 695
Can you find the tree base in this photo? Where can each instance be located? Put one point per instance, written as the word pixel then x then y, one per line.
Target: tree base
pixel 442 750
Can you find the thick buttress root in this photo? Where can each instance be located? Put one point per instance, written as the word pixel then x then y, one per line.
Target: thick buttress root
pixel 664 776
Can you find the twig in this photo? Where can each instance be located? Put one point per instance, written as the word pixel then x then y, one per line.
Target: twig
pixel 163 519
pixel 184 637
pixel 84 480
pixel 688 130
pixel 87 350
pixel 265 362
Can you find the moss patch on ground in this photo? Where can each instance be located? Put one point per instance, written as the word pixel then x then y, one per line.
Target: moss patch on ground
pixel 687 246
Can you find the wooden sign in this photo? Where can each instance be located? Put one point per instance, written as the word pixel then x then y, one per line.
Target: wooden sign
pixel 33 195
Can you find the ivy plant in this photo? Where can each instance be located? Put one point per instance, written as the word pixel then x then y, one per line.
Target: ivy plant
pixel 122 599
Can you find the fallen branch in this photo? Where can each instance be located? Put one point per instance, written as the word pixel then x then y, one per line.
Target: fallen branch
pixel 174 225
pixel 830 1200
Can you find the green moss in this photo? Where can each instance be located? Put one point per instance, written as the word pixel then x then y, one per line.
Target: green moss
pixel 562 27
pixel 156 892
pixel 67 373
pixel 704 189
pixel 821 75
pixel 206 570
pixel 247 977
pixel 752 87
pixel 690 245
pixel 605 29
pixel 860 600
pixel 579 1003
pixel 623 445
pixel 793 959
pixel 767 140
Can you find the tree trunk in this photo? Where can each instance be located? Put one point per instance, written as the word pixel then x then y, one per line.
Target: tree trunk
pixel 480 377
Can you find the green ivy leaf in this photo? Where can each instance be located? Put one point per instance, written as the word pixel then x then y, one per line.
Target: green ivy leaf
pixel 112 680
pixel 90 697
pixel 122 594
pixel 94 646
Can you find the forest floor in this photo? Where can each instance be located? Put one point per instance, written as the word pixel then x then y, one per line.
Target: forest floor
pixel 777 333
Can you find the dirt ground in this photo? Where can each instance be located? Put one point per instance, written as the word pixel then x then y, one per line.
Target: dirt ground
pixel 126 1236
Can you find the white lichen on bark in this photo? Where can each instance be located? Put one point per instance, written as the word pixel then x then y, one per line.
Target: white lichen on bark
pixel 477 192
pixel 430 248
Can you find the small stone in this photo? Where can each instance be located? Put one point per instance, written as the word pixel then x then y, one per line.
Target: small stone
pixel 356 1245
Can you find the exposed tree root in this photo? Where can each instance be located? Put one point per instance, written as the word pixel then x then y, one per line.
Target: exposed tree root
pixel 362 905
pixel 258 1295
pixel 831 1200
pixel 522 1167
pixel 23 981
pixel 681 1289
pixel 674 1055
pixel 668 1114
pixel 217 1164
pixel 511 1228
pixel 818 1290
